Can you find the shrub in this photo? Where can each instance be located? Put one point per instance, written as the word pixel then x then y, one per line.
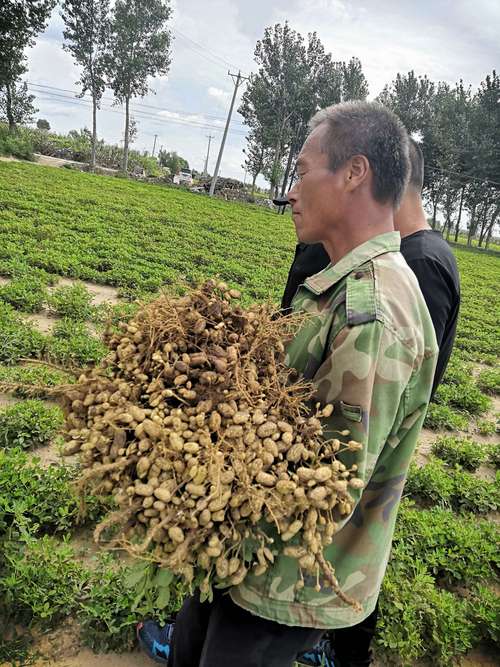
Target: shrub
pixel 72 343
pixel 15 144
pixel 40 579
pixel 37 380
pixel 37 497
pixel 72 301
pixel 24 294
pixel 489 380
pixel 443 417
pixel 454 487
pixel 28 424
pixel 461 451
pixel 19 339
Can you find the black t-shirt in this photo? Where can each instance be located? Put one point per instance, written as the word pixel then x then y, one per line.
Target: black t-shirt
pixel 433 263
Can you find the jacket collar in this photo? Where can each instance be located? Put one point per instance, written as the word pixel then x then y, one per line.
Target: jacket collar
pixel 378 245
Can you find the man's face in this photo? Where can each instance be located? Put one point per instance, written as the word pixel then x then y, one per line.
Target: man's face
pixel 317 196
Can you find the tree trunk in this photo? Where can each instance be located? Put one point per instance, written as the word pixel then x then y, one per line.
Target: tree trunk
pixel 126 137
pixel 471 226
pixel 434 213
pixel 94 134
pixel 253 184
pixel 8 108
pixel 447 222
pixel 457 227
pixel 287 170
pixel 491 226
pixel 483 224
pixel 292 177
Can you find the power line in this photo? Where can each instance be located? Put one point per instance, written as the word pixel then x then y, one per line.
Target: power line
pixel 465 177
pixel 65 99
pixel 204 50
pixel 135 104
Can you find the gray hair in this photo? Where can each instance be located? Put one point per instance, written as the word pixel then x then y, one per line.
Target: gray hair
pixel 372 130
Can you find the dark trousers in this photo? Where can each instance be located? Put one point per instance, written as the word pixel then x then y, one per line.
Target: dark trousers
pixel 352 645
pixel 221 634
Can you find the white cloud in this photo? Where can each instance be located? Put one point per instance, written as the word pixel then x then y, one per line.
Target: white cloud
pixel 190 118
pixel 433 37
pixel 218 93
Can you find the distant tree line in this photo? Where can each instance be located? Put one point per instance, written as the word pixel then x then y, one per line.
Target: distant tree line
pixel 460 133
pixel 117 47
pixel 295 77
pixel 121 46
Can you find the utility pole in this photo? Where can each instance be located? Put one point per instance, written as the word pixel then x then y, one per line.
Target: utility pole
pixel 237 83
pixel 205 170
pixel 154 146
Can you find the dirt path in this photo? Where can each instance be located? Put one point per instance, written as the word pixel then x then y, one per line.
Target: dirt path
pixel 88 659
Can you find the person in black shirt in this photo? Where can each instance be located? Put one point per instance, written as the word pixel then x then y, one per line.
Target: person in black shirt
pixel 431 259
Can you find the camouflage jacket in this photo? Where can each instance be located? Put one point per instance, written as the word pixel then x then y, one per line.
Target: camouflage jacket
pixel 371 350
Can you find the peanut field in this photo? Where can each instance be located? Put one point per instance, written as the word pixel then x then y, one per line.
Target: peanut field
pixel 77 253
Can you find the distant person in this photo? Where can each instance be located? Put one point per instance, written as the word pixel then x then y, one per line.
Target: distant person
pixel 432 261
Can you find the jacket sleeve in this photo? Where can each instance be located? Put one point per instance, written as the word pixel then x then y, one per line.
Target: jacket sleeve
pixel 366 376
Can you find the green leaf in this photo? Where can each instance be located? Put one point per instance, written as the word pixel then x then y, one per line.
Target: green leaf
pixel 136 574
pixel 163 578
pixel 163 597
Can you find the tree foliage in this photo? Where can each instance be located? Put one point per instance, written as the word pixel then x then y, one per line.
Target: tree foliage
pixel 139 48
pixel 20 22
pixel 175 163
pixel 295 77
pixel 86 36
pixel 460 132
pixel 43 124
pixel 16 104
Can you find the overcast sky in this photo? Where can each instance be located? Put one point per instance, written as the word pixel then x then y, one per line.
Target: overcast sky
pixel 445 39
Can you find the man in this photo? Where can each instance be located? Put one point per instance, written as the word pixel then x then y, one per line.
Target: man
pixel 370 348
pixel 432 261
pixel 426 253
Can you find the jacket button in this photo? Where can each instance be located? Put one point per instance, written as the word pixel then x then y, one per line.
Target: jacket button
pixel 358 275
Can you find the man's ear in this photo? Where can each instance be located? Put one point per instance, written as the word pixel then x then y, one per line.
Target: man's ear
pixel 357 171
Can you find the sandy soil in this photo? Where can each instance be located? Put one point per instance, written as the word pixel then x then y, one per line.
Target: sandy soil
pixel 86 658
pixel 7 399
pixel 425 442
pixel 101 293
pixel 48 455
pixel 43 321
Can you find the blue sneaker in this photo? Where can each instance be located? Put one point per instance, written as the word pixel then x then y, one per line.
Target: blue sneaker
pixel 320 655
pixel 155 640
